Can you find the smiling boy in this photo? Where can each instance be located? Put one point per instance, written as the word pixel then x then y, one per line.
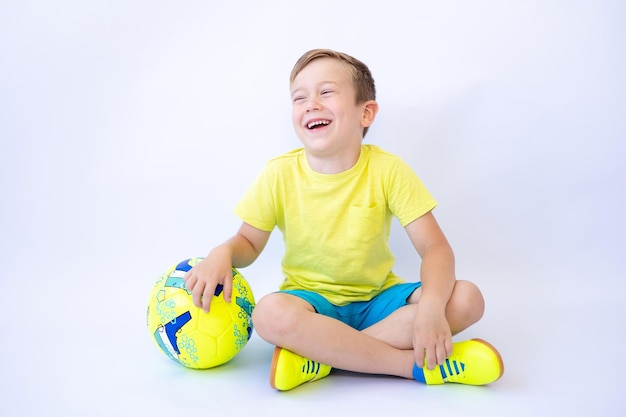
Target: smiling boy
pixel 340 305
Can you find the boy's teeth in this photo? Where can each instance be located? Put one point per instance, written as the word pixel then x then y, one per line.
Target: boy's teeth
pixel 316 123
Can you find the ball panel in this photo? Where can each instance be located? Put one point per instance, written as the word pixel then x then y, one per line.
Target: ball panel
pixel 197 350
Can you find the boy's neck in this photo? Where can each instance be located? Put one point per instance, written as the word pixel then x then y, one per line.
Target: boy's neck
pixel 334 164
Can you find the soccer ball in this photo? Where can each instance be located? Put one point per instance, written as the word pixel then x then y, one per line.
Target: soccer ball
pixel 187 334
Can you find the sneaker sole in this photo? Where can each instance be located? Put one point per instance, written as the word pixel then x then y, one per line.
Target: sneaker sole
pixel 275 356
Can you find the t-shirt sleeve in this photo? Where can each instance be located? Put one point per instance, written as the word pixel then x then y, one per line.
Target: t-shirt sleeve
pixel 408 197
pixel 257 206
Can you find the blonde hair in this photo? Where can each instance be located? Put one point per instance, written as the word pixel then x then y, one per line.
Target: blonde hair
pixel 361 75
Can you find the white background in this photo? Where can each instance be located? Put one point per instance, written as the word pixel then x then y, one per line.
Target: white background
pixel 129 130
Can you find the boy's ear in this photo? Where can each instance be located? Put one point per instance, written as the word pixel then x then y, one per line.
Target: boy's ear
pixel 369 113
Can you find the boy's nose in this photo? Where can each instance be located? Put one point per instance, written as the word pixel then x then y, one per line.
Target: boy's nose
pixel 313 104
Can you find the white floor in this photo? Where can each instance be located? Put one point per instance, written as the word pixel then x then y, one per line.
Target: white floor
pixel 76 344
pixel 129 129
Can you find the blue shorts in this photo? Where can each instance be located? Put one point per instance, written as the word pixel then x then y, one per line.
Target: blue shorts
pixel 362 314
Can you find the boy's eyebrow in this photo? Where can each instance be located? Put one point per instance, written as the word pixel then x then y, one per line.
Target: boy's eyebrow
pixel 295 91
pixel 334 83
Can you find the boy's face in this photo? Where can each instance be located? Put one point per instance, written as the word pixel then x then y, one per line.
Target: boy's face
pixel 325 114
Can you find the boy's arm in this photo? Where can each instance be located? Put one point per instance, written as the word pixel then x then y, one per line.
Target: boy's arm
pixel 247 245
pixel 239 251
pixel 432 337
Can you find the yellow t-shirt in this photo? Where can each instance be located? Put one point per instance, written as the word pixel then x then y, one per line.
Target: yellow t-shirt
pixel 336 227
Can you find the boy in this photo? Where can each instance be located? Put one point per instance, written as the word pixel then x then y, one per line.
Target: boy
pixel 340 305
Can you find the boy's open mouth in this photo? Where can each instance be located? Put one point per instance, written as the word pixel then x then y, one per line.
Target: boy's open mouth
pixel 315 124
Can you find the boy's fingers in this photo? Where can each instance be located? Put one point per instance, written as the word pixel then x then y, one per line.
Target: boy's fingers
pixel 228 288
pixel 441 355
pixel 431 358
pixel 196 294
pixel 449 346
pixel 207 297
pixel 420 356
pixel 190 282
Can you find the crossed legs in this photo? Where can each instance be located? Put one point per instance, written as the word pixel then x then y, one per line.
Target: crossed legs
pixel 385 348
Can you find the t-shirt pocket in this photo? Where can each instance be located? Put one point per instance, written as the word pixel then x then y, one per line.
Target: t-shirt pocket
pixel 365 223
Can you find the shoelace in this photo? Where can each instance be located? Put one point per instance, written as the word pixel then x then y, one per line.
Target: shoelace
pixel 451 369
pixel 310 367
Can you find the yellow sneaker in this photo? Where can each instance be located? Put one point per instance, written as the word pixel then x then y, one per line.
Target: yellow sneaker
pixel 290 370
pixel 473 362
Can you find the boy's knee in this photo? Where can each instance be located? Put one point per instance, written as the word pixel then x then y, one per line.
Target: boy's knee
pixel 271 317
pixel 264 313
pixel 469 299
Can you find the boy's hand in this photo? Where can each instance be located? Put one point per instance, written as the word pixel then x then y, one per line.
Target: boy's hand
pixel 203 279
pixel 432 338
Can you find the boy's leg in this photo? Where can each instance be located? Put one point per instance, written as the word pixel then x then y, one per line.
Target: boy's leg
pixel 473 362
pixel 290 322
pixel 466 307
